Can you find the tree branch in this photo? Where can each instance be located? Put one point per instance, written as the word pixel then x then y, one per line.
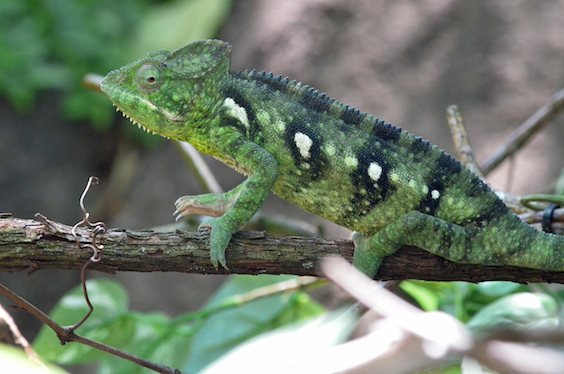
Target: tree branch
pixel 42 243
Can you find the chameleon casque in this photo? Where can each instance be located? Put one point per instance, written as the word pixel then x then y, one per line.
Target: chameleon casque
pixel 388 186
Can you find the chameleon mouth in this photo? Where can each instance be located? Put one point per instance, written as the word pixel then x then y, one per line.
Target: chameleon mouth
pixel 142 127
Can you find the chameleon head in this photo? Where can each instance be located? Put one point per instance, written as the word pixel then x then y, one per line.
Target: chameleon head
pixel 165 91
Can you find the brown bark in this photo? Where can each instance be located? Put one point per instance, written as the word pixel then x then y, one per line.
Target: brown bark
pixel 33 245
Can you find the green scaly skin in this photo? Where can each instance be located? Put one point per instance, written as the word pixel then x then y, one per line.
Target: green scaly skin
pixel 388 186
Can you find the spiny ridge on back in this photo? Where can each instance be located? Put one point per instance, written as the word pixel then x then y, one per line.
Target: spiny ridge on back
pixel 310 98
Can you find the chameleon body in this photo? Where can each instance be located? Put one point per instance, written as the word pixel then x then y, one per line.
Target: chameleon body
pixel 388 186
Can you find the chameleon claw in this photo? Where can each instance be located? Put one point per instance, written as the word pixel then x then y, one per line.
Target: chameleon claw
pixel 219 239
pixel 214 261
pixel 217 258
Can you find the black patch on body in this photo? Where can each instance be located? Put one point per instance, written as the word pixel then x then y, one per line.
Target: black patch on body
pixel 317 161
pixel 227 121
pixel 446 172
pixel 492 210
pixel 421 147
pixel 254 126
pixel 429 205
pixel 493 207
pixel 445 166
pixel 376 191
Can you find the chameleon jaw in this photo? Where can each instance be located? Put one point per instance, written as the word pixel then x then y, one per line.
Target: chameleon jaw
pixel 137 123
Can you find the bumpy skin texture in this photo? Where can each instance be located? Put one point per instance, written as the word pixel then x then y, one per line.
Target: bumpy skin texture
pixel 390 187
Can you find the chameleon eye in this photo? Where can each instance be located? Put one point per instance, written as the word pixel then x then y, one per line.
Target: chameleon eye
pixel 149 78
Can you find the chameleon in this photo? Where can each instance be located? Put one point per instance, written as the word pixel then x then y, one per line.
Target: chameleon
pixel 389 187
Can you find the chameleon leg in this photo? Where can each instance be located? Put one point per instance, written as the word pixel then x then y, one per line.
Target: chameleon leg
pixel 432 234
pixel 214 206
pixel 235 208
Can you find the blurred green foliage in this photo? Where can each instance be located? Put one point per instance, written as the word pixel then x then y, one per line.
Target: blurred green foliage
pixel 48 46
pixel 199 337
pixel 233 325
pixel 51 45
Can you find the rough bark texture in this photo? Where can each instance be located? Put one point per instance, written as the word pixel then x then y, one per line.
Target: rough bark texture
pixel 29 244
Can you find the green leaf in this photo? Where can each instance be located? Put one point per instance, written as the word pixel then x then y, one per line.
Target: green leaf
pixel 110 303
pixel 157 338
pixel 174 24
pixel 497 289
pixel 223 331
pixel 226 321
pixel 426 298
pixel 14 360
pixel 449 369
pixel 519 311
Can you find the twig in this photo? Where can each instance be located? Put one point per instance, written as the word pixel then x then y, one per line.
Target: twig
pixel 199 167
pixel 98 228
pixel 523 134
pixel 67 334
pixel 426 339
pixel 92 82
pixel 465 154
pixel 301 283
pixel 11 335
pixel 464 151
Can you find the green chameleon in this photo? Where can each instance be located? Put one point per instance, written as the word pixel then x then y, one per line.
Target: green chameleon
pixel 388 186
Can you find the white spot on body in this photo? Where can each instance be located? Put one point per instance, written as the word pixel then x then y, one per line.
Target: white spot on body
pixel 236 111
pixel 330 150
pixel 304 143
pixel 281 126
pixel 263 115
pixel 435 194
pixel 351 161
pixel 374 171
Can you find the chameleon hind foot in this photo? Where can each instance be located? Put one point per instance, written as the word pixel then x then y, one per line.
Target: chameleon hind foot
pixel 364 259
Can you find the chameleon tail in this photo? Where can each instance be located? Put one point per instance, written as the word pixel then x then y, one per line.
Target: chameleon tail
pixel 521 245
pixel 504 240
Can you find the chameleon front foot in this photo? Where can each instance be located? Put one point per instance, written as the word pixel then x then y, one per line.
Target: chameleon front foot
pixel 208 205
pixel 214 206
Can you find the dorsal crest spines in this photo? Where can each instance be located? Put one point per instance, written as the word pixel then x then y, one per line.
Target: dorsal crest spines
pixel 310 98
